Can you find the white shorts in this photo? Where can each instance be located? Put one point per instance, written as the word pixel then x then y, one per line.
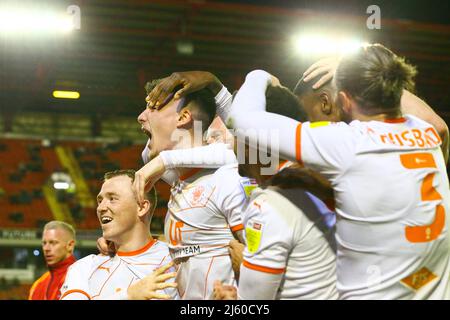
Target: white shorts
pixel 196 276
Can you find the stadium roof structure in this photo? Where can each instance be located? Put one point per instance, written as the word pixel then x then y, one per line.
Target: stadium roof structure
pixel 122 44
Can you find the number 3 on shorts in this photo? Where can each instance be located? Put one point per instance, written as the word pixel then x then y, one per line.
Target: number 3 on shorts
pixel 428 193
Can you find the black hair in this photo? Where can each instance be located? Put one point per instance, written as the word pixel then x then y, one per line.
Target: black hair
pixel 203 107
pixel 282 101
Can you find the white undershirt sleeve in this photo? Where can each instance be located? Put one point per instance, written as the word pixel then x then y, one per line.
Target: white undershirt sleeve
pixel 249 117
pixel 210 156
pixel 223 103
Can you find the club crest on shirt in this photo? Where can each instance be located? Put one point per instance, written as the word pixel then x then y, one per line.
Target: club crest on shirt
pixel 197 196
pixel 253 233
pixel 248 185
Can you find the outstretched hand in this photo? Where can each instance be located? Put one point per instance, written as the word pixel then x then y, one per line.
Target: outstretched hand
pixel 189 81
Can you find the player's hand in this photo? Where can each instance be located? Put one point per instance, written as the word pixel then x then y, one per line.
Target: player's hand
pixel 146 288
pixel 275 82
pixel 190 81
pixel 224 292
pixel 106 247
pixel 236 252
pixel 147 176
pixel 325 67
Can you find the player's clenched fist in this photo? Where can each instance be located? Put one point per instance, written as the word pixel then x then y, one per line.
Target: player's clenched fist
pixel 148 287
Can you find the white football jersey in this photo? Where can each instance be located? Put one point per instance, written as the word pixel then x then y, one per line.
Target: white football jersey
pixel 102 277
pixel 287 234
pixel 391 190
pixel 392 199
pixel 203 211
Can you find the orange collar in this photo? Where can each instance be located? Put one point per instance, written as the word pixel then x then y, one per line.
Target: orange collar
pixel 396 120
pixel 138 251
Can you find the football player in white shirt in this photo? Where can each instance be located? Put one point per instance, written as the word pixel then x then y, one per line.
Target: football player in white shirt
pixel 303 239
pixel 137 270
pixel 205 204
pixel 289 248
pixel 388 173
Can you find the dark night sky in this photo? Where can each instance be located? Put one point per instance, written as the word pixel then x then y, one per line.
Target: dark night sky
pixel 430 11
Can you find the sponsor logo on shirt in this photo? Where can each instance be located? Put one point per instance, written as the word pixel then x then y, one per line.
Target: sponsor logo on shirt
pixel 253 233
pixel 248 185
pixel 419 279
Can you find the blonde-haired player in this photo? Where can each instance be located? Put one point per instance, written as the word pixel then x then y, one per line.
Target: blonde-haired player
pixel 137 270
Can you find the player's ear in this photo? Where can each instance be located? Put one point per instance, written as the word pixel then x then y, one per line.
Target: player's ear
pixel 70 245
pixel 325 104
pixel 184 118
pixel 143 208
pixel 345 102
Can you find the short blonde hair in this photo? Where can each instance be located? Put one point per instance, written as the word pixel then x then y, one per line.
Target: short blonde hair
pixel 55 224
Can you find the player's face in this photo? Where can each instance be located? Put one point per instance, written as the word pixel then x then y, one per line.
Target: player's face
pixel 56 245
pixel 117 208
pixel 159 126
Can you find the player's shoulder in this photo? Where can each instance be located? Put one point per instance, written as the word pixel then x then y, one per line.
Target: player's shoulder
pixel 157 253
pixel 258 204
pixel 41 278
pixel 227 169
pixel 160 247
pixel 227 176
pixel 416 121
pixel 273 203
pixel 88 263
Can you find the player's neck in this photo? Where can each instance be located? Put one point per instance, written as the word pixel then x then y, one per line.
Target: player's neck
pixel 134 240
pixel 357 115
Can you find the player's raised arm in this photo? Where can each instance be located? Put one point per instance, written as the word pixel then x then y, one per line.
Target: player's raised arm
pixel 248 116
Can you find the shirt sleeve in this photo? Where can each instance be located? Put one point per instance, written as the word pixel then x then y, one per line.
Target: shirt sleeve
pixel 251 121
pixel 268 238
pixel 326 147
pixel 223 103
pixel 214 155
pixel 231 198
pixel 76 284
pixel 267 288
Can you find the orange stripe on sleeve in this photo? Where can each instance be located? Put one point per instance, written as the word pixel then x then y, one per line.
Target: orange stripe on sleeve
pixel 75 291
pixel 237 227
pixel 262 268
pixel 298 144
